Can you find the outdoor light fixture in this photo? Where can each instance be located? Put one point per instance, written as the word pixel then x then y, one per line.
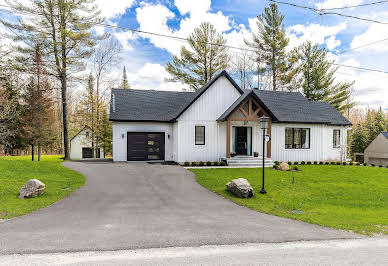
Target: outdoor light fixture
pixel 264 121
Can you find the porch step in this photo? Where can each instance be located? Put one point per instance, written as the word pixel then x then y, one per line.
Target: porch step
pixel 249 161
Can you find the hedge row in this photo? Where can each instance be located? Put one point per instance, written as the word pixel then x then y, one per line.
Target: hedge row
pixel 208 163
pixel 331 163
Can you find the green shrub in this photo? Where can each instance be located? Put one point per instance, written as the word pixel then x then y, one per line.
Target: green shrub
pixel 351 163
pixel 194 164
pixel 365 164
pixel 216 163
pixel 276 162
pixel 320 162
pixel 344 163
pixel 338 163
pixel 302 162
pixel 372 164
pixel 289 163
pixel 327 163
pixel 332 163
pixel 296 163
pixel 315 162
pixel 380 165
pixel 201 163
pixel 275 166
pixel 358 164
pixel 308 162
pixel 222 163
pixel 296 168
pixel 387 166
pixel 187 164
pixel 208 163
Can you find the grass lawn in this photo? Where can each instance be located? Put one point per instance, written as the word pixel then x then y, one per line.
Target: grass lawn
pixel 351 197
pixel 16 171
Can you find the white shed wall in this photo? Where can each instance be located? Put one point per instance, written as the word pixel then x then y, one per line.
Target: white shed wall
pixel 204 112
pixel 81 141
pixel 321 143
pixel 120 143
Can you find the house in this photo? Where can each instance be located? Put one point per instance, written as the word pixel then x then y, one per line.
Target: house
pixel 377 151
pixel 220 120
pixel 81 146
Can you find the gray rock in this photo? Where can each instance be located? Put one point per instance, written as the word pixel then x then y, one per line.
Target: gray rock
pixel 31 189
pixel 240 188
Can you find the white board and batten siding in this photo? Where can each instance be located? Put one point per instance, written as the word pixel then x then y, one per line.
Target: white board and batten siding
pixel 81 140
pixel 321 143
pixel 204 112
pixel 120 130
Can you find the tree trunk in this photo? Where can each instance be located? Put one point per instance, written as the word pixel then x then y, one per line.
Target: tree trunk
pixel 39 152
pixel 64 116
pixel 32 152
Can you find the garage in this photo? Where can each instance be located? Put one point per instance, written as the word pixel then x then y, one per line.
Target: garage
pixel 145 146
pixel 87 153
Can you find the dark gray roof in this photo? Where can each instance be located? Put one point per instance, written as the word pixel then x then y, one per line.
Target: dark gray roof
pixel 167 106
pixel 385 134
pixel 152 105
pixel 291 107
pixel 147 105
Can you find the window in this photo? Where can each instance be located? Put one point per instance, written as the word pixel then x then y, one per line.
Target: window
pixel 199 135
pixel 336 138
pixel 297 138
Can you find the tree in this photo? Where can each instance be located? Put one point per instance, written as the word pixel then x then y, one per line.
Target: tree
pixel 206 56
pixel 124 82
pixel 270 44
pixel 8 116
pixel 63 28
pixel 243 65
pixel 317 77
pixel 37 107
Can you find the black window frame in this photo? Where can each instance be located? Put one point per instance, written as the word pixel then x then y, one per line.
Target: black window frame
pixel 293 144
pixel 334 138
pixel 204 136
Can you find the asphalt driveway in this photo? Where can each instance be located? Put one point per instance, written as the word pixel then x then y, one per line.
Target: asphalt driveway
pixel 140 205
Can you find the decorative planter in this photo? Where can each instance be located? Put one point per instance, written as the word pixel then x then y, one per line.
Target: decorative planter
pixel 233 154
pixel 255 154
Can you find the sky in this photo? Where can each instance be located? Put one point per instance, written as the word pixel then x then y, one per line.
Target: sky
pixel 145 56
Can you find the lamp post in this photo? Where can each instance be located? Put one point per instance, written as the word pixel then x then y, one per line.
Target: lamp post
pixel 263 125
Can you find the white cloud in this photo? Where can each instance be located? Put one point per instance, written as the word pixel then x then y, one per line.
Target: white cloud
pixel 315 33
pixel 153 76
pixel 124 37
pixel 193 7
pixel 337 3
pixel 113 8
pixel 374 33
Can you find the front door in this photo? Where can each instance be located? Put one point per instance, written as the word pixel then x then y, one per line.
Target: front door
pixel 241 141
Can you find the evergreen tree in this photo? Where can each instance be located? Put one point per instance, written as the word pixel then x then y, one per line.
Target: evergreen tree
pixel 64 29
pixel 359 139
pixel 206 56
pixel 317 77
pixel 270 44
pixel 124 82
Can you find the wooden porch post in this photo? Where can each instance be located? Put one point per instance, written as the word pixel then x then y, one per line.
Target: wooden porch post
pixel 269 131
pixel 228 139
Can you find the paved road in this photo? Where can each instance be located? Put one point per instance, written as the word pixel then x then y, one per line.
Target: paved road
pixel 326 252
pixel 140 205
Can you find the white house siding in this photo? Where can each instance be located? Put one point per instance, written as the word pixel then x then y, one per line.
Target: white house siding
pixel 321 143
pixel 81 141
pixel 204 112
pixel 121 129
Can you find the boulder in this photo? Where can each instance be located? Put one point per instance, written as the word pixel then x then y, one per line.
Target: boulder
pixel 284 167
pixel 31 189
pixel 240 188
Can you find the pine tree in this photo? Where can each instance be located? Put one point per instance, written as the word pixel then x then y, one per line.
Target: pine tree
pixel 270 44
pixel 317 77
pixel 206 56
pixel 64 29
pixel 124 82
pixel 359 139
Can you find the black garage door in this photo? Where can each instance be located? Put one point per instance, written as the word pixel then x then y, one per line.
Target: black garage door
pixel 87 153
pixel 145 146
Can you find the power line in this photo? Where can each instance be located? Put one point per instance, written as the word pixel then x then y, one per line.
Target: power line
pixel 362 46
pixel 323 12
pixel 361 5
pixel 226 46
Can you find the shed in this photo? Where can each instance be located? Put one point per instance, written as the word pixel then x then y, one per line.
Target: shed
pixel 81 146
pixel 377 151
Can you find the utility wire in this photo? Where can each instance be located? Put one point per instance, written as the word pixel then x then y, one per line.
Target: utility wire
pixel 323 12
pixel 361 5
pixel 226 46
